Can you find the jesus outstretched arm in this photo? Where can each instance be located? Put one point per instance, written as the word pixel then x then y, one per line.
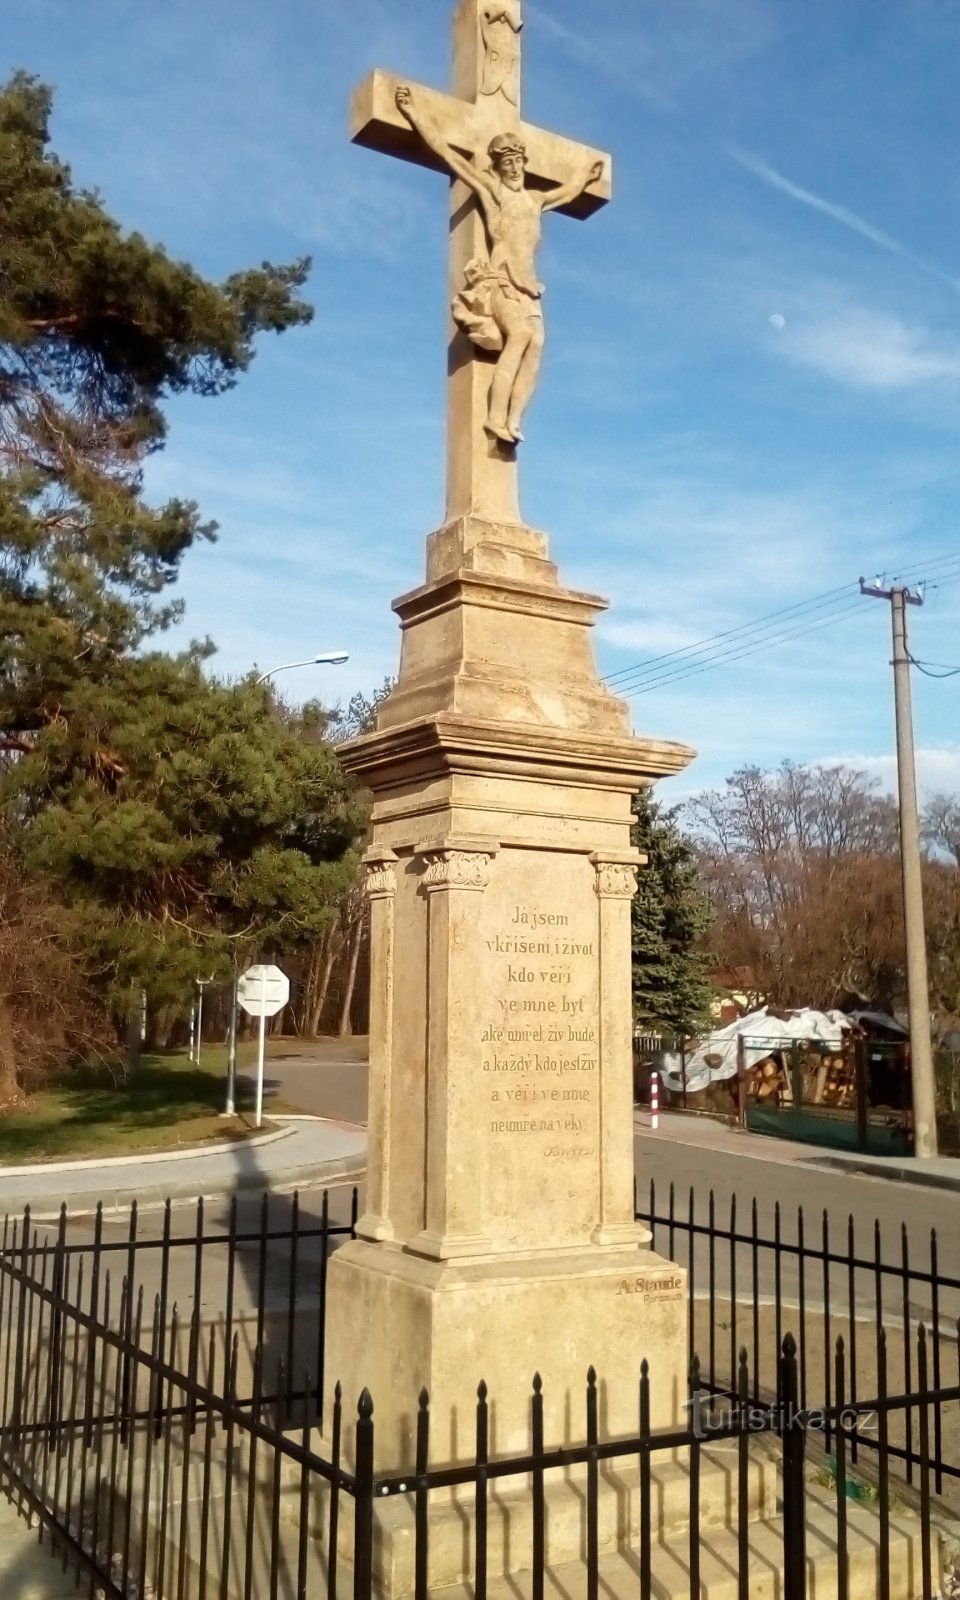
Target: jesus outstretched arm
pixel 481 184
pixel 566 192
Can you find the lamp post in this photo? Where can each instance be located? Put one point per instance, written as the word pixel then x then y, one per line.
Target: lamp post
pixel 329 658
pixel 201 984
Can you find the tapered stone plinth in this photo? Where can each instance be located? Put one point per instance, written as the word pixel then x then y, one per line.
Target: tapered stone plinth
pixel 499 1237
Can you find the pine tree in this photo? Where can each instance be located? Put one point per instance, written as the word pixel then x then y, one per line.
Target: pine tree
pixel 97 328
pixel 671 915
pixel 171 819
pixel 210 827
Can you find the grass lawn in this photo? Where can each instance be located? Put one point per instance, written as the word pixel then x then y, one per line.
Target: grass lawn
pixel 96 1111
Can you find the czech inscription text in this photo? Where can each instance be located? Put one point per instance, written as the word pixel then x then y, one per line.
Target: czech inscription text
pixel 540 1039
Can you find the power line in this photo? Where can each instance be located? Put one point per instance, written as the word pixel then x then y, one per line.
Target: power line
pixel 757 636
pixel 746 638
pixel 692 669
pixel 944 583
pixel 927 668
pixel 743 627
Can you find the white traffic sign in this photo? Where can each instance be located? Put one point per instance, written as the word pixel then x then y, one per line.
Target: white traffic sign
pixel 263 991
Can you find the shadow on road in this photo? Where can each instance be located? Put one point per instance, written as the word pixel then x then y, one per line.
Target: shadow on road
pixel 276 1288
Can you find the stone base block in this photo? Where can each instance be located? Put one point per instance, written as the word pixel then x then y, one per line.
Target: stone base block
pixel 404 1323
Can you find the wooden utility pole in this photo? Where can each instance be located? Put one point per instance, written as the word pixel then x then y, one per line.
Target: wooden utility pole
pixel 922 1080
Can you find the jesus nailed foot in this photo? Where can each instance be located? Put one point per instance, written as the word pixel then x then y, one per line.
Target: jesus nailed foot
pixel 503 433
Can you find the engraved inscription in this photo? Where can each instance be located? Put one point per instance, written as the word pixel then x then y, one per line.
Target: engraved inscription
pixel 500 25
pixel 653 1289
pixel 539 1038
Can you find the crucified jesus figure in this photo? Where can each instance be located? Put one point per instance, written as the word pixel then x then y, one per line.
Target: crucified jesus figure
pixel 499 307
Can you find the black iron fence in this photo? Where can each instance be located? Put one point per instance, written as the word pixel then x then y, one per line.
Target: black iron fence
pixel 748 1284
pixel 185 1454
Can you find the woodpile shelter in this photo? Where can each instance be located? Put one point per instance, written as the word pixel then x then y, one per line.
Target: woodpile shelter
pixel 829 1078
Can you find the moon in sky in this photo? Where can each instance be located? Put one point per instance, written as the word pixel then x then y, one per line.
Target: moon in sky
pixel 778 321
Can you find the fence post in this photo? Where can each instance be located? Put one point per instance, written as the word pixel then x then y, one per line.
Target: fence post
pixel 861 1088
pixel 741 1080
pixel 18 1375
pixel 363 1498
pixel 794 1449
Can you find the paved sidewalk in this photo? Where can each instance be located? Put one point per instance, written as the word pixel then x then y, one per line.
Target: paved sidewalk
pixel 28 1571
pixel 311 1152
pixel 707 1134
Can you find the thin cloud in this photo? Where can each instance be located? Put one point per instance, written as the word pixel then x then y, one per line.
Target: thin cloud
pixel 871 350
pixel 582 47
pixel 842 214
pixel 938 768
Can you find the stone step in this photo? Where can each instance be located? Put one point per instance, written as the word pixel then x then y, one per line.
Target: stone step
pixel 510 1515
pixel 618 1572
pixel 719 1563
pixel 566 1580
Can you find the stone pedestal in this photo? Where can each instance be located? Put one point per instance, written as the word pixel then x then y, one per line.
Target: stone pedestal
pixel 499 1238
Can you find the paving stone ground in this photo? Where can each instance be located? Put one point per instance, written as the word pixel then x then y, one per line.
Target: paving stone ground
pixel 27 1570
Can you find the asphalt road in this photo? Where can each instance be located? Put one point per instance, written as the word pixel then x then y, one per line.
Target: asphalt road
pixel 326 1079
pixel 764 1176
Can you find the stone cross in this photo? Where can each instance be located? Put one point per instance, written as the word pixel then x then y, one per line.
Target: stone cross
pixel 482 477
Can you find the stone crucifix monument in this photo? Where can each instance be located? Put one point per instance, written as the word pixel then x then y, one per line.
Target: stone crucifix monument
pixel 499 1236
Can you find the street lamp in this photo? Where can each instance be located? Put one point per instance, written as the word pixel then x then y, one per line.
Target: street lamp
pixel 330 658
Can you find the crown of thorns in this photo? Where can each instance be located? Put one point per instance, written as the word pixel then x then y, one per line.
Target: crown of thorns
pixel 506 144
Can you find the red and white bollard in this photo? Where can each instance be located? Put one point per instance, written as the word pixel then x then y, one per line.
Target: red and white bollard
pixel 654 1100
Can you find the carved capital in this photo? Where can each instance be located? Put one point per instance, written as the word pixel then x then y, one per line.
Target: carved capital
pixel 380 874
pixel 456 869
pixel 616 880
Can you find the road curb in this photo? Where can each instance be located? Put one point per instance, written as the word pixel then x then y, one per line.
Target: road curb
pixel 916 1176
pixel 199 1152
pixel 153 1197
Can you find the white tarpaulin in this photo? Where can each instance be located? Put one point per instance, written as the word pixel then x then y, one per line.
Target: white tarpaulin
pixel 763 1035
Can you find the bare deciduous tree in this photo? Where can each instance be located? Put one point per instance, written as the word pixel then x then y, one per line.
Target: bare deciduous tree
pixel 802 865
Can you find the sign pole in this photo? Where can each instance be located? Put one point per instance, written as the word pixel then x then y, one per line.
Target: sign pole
pixel 199 1019
pixel 231 1106
pixel 260 1050
pixel 262 991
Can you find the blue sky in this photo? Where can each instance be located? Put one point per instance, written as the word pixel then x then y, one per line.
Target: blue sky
pixel 752 387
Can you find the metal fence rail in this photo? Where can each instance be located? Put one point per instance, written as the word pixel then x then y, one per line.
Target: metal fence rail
pixel 128 1433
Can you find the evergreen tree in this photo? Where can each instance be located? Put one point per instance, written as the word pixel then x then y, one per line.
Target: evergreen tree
pixel 172 821
pixel 671 994
pixel 97 328
pixel 210 827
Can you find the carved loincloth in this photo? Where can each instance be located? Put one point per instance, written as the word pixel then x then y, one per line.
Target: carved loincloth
pixel 473 308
